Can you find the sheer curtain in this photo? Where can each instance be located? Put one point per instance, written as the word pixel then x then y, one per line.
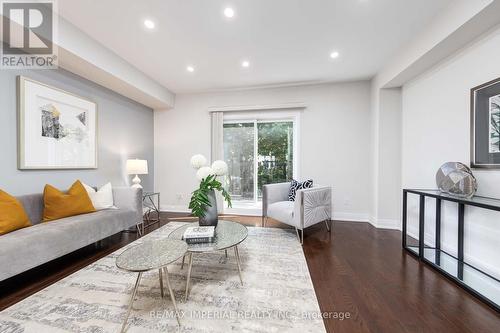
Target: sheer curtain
pixel 217 148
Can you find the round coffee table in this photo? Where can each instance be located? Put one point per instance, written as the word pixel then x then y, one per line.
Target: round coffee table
pixel 148 256
pixel 227 235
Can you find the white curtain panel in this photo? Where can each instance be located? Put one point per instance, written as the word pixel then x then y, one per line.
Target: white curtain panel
pixel 217 149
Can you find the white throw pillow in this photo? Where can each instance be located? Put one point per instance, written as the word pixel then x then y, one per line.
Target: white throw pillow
pixel 102 198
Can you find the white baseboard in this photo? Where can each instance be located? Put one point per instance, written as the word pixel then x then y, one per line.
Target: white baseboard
pixel 244 211
pixel 350 217
pixel 235 211
pixel 338 216
pixel 386 223
pixel 174 209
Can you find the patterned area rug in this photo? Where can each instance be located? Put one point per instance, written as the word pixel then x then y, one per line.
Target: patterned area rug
pixel 277 295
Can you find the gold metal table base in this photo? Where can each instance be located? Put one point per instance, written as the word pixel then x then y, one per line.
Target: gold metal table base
pixel 190 266
pixel 161 271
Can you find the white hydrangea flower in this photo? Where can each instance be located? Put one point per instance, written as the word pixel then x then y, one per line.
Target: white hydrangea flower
pixel 204 172
pixel 198 160
pixel 219 168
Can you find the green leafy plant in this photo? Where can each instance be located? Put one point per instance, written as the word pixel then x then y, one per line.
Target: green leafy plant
pixel 199 200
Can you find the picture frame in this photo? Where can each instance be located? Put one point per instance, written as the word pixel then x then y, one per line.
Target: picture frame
pixel 56 128
pixel 485 125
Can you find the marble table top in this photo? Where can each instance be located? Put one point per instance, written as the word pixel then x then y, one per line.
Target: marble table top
pixel 227 234
pixel 151 255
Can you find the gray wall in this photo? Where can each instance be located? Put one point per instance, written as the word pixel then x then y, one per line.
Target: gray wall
pixel 125 130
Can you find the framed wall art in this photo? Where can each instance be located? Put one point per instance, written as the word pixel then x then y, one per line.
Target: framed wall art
pixel 485 125
pixel 56 129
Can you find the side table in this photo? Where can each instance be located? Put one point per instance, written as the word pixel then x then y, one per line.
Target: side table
pixel 151 210
pixel 148 256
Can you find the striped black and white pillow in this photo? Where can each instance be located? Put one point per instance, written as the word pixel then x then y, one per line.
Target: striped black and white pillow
pixel 295 186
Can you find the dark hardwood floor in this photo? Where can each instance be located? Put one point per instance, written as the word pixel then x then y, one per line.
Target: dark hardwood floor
pixel 356 269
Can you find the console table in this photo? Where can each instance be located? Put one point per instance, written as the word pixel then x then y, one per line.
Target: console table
pixel 479 283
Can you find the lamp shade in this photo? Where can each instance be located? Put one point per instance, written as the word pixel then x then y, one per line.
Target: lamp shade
pixel 137 167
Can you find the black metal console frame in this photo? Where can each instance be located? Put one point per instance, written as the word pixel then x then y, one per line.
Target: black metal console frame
pixel 419 251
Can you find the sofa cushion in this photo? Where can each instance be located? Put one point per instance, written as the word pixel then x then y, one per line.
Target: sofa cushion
pixel 58 204
pixel 281 211
pixel 12 214
pixel 101 198
pixel 47 241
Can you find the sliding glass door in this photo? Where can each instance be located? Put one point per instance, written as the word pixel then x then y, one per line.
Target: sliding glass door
pixel 239 154
pixel 257 153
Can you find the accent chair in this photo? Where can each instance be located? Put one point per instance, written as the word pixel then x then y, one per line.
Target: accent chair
pixel 311 206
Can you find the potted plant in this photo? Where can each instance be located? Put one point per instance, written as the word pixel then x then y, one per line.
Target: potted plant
pixel 203 203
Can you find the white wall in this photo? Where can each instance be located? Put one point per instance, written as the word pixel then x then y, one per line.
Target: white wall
pixel 124 131
pixel 447 32
pixel 334 140
pixel 436 124
pixel 389 159
pixel 385 157
pixel 450 31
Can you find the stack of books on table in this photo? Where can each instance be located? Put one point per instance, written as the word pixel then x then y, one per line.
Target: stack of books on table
pixel 194 235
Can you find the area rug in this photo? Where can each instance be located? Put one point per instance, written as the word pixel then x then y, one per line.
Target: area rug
pixel 277 295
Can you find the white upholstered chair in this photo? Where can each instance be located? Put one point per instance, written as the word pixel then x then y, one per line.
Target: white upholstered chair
pixel 311 206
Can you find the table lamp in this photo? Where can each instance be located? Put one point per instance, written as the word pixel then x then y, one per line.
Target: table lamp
pixel 137 167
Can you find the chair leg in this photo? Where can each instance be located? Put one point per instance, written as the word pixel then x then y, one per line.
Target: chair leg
pixel 300 236
pixel 328 227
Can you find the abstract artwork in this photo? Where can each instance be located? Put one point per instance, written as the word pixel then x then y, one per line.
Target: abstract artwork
pixel 495 124
pixel 485 125
pixel 57 129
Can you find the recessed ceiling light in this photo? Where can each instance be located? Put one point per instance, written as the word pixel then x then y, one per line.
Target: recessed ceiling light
pixel 190 69
pixel 245 63
pixel 334 55
pixel 149 24
pixel 228 12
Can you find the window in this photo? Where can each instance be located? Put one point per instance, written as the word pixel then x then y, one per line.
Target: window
pixel 239 154
pixel 257 152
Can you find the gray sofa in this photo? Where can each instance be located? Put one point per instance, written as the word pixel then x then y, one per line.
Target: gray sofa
pixel 29 247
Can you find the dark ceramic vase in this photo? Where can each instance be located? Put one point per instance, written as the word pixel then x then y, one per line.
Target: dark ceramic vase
pixel 210 218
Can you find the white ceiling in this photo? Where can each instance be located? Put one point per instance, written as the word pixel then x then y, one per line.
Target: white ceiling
pixel 286 41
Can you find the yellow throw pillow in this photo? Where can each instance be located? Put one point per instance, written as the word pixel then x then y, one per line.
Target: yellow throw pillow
pixel 12 214
pixel 57 204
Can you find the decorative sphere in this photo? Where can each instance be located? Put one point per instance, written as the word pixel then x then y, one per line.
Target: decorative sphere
pixel 457 179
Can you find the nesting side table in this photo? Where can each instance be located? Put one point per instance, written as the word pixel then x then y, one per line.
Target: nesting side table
pixel 148 256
